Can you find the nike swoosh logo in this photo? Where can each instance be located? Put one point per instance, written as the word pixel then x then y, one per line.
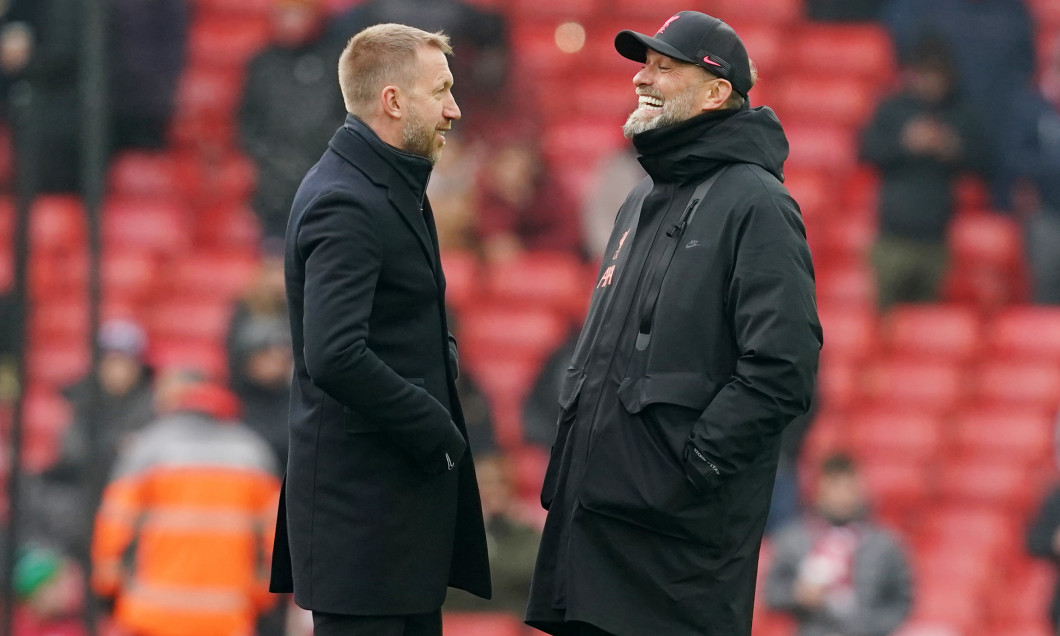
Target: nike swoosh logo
pixel 710 61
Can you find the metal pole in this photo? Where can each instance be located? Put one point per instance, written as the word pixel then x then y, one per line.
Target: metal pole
pixel 14 374
pixel 95 141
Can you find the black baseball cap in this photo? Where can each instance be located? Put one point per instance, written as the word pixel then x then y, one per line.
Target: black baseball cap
pixel 696 38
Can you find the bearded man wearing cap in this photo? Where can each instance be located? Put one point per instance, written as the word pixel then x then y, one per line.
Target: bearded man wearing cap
pixel 700 346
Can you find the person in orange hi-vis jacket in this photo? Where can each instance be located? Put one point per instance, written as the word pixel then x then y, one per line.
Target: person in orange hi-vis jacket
pixel 185 529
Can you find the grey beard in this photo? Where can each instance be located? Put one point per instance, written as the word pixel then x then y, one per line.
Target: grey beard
pixel 418 140
pixel 674 111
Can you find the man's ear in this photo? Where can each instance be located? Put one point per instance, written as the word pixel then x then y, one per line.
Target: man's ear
pixel 717 94
pixel 391 100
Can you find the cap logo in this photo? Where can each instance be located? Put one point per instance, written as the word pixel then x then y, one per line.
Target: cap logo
pixel 667 23
pixel 710 61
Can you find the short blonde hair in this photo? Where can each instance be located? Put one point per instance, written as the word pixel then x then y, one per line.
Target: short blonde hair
pixel 380 55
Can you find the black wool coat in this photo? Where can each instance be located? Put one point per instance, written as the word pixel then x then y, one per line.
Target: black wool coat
pixel 380 510
pixel 700 346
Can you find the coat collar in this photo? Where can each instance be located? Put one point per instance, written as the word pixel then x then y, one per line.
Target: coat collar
pixel 403 175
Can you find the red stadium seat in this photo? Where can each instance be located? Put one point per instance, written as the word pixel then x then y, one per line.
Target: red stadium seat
pixel 765 47
pixel 850 333
pixel 927 628
pixel 860 50
pixel 481 624
pixel 54 276
pixel 936 386
pixel 240 8
pixel 897 488
pixel 823 145
pixel 227 41
pixel 64 318
pixel 1023 435
pixel 845 100
pixel 129 275
pixel 561 9
pixel 1027 333
pixel 228 179
pixel 762 11
pixel 57 223
pixel 1027 384
pixel 57 363
pixel 895 433
pixel 227 226
pixel 46 409
pixel 462 278
pixel 535 53
pixel 838 381
pixel 850 283
pixel 505 379
pixel 584 141
pixel 174 319
pixel 517 332
pixel 218 276
pixel 653 13
pixel 976 529
pixel 552 280
pixel 846 237
pixel 150 224
pixel 986 240
pixel 815 193
pixel 207 357
pixel 946 601
pixel 987 482
pixel 934 331
pixel 861 189
pixel 529 463
pixel 140 173
pixel 610 96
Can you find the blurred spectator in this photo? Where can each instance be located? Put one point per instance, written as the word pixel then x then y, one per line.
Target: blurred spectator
pixel 263 368
pixel 264 299
pixel 291 106
pixel 992 43
pixel 541 407
pixel 1043 541
pixel 523 207
pixel 183 536
pixel 512 543
pixel 147 44
pixel 835 572
pixel 919 139
pixel 109 406
pixel 41 42
pixel 49 588
pixel 844 10
pixel 1031 163
pixel 452 194
pixel 614 177
pixel 480 64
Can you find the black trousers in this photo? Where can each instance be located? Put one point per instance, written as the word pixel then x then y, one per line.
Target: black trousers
pixel 429 624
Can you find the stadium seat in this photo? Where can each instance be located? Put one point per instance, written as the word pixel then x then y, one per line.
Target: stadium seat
pixel 518 332
pixel 228 179
pixel 985 240
pixel 847 283
pixel 814 192
pixel 838 381
pixel 897 489
pixel 227 41
pixel 237 8
pixel 141 173
pixel 980 530
pixel 60 318
pixel 610 96
pixel 945 601
pixel 150 224
pixel 1020 435
pixel 654 13
pixel 763 11
pixel 205 92
pixel 218 276
pixel 529 464
pixel 765 46
pixel 57 363
pixel 1046 15
pixel 53 276
pixel 582 140
pixel 933 331
pixel 844 237
pixel 858 50
pixel 128 275
pixel 45 409
pixel 505 379
pixel 57 223
pixel 481 624
pixel 552 280
pixel 935 386
pixel 560 9
pixel 1007 384
pixel 927 628
pixel 535 53
pixel 861 189
pixel 987 482
pixel 839 99
pixel 180 318
pixel 851 332
pixel 462 278
pixel 889 432
pixel 823 145
pixel 227 226
pixel 1026 333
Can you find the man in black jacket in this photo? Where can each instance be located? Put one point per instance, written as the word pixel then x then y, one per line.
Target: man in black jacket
pixel 380 511
pixel 700 345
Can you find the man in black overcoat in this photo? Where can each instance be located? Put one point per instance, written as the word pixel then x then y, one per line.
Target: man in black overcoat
pixel 380 510
pixel 700 346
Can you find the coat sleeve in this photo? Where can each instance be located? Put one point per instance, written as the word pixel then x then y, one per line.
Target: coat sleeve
pixel 341 247
pixel 772 305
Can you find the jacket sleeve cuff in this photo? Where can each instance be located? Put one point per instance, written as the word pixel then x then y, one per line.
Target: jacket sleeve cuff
pixel 700 470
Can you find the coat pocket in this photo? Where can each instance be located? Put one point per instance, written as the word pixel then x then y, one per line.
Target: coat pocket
pixel 568 402
pixel 355 423
pixel 636 470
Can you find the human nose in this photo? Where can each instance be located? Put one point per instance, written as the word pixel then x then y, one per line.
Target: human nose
pixel 643 77
pixel 451 111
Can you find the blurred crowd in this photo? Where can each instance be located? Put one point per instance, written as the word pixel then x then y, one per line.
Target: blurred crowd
pixel 158 509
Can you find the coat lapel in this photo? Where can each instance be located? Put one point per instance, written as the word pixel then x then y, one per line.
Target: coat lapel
pixel 406 204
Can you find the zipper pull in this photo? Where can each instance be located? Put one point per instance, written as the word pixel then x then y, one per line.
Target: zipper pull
pixel 682 223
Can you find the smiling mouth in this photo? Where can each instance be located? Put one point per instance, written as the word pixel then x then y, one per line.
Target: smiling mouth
pixel 649 102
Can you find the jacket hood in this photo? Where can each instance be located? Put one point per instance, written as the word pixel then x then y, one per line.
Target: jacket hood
pixel 692 148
